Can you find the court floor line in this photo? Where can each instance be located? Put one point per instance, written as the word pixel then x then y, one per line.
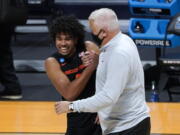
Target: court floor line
pixel 28 134
pixel 38 117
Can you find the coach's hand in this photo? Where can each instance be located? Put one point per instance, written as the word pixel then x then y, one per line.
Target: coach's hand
pixel 62 107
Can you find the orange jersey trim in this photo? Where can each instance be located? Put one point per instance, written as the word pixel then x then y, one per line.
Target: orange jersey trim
pixel 71 71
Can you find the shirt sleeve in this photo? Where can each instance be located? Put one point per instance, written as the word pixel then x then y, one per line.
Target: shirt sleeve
pixel 116 79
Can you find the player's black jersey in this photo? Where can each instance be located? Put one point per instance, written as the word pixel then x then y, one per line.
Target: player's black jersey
pixel 78 122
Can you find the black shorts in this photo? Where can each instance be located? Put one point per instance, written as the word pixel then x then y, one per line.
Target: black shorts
pixel 82 124
pixel 89 130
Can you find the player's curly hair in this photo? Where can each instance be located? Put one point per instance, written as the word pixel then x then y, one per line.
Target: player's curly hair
pixel 68 25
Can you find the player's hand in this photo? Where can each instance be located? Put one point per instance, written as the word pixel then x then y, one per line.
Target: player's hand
pixel 97 120
pixel 90 58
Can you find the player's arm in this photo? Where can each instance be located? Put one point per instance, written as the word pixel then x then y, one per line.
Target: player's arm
pixel 91 46
pixel 91 55
pixel 68 89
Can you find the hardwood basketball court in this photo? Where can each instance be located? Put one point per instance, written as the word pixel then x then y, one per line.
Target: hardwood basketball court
pixel 39 118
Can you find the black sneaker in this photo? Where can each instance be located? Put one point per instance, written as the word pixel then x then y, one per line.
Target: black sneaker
pixel 14 95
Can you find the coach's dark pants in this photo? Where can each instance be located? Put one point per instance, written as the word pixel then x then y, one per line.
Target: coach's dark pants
pixel 143 128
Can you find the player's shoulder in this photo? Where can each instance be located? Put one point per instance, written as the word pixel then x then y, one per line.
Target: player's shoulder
pixel 91 46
